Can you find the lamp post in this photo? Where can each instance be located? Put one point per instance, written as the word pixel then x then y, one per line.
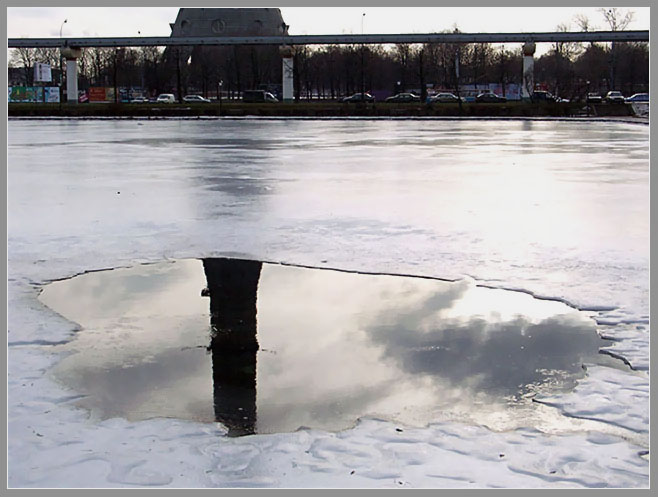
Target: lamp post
pixel 457 57
pixel 142 64
pixel 61 69
pixel 587 98
pixel 363 84
pixel 219 94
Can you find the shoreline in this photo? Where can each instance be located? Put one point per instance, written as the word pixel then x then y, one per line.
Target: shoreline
pixel 321 110
pixel 616 119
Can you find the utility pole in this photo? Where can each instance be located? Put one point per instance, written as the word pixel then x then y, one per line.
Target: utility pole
pixel 61 69
pixel 363 84
pixel 459 98
pixel 219 94
pixel 116 87
pixel 178 83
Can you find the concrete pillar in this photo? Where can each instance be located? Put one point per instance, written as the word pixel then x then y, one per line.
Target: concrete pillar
pixel 287 82
pixel 528 70
pixel 72 81
pixel 71 55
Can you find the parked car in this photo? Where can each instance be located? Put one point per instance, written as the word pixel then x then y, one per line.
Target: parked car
pixel 255 96
pixel 614 97
pixel 490 97
pixel 139 100
pixel 359 97
pixel 594 98
pixel 166 98
pixel 638 97
pixel 403 97
pixel 444 98
pixel 543 96
pixel 195 99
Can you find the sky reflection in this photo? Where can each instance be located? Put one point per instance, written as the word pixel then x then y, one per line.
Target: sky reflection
pixel 333 346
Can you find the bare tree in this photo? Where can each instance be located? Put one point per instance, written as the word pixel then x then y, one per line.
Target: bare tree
pixel 420 52
pixel 584 22
pixel 25 58
pixel 618 20
pixel 402 56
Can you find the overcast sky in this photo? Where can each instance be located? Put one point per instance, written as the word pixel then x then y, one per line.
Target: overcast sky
pixel 152 21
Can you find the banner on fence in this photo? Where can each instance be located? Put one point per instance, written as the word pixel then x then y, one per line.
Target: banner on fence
pixel 101 94
pixel 97 94
pixel 25 94
pixel 52 94
pixel 36 94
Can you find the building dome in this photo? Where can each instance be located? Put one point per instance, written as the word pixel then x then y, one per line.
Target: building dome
pixel 229 22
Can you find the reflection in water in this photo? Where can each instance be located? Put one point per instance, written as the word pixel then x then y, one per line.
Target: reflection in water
pixel 232 286
pixel 327 348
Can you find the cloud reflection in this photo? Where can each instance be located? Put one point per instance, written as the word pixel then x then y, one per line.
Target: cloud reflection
pixel 291 347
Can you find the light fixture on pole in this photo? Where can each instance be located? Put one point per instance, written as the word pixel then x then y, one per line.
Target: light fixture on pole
pixel 61 68
pixel 363 84
pixel 219 94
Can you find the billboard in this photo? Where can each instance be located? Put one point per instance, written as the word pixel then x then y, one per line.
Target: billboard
pixel 97 94
pixel 51 94
pixel 101 94
pixel 25 94
pixel 34 94
pixel 42 72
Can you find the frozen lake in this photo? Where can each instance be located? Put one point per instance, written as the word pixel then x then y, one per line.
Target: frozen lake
pixel 557 209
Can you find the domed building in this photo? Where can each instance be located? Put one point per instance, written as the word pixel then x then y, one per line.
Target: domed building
pixel 236 68
pixel 229 22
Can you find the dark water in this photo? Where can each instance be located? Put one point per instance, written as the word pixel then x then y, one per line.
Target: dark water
pixel 268 348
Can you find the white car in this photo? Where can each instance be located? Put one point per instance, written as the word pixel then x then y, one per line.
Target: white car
pixel 166 98
pixel 445 98
pixel 195 99
pixel 638 97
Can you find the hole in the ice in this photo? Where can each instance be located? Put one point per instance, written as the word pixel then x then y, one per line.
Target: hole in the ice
pixel 267 348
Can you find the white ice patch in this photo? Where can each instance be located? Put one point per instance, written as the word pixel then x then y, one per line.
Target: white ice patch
pixel 445 191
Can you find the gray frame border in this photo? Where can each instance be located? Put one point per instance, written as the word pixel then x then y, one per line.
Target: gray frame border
pixel 318 3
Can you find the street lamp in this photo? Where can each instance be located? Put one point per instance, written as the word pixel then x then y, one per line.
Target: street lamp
pixel 457 57
pixel 219 94
pixel 363 84
pixel 61 68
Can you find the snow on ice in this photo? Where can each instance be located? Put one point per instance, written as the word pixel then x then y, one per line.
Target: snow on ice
pixel 558 209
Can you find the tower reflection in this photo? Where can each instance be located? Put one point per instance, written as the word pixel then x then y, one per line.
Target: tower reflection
pixel 232 288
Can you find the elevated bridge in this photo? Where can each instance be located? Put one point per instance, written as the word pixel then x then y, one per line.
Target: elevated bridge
pixel 367 39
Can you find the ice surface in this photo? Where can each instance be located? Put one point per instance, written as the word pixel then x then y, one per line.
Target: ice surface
pixel 555 208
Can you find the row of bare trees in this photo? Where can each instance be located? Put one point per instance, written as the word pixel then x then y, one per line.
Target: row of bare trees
pixel 566 69
pixel 331 71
